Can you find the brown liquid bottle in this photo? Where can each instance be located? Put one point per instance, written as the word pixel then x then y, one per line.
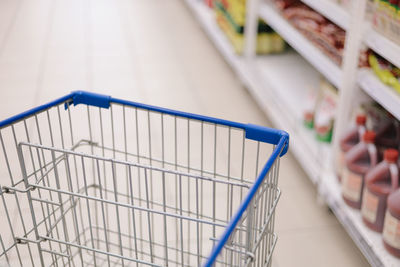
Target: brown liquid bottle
pixel 391 227
pixel 359 160
pixel 380 181
pixel 388 135
pixel 351 138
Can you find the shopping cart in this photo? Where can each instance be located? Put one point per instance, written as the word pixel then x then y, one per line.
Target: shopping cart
pixel 113 182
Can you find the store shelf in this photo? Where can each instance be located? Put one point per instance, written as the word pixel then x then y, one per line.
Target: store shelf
pixel 331 10
pixel 279 83
pixel 275 93
pixel 383 46
pixel 288 78
pixel 369 242
pixel 281 98
pixel 310 52
pixel 381 93
pixel 206 18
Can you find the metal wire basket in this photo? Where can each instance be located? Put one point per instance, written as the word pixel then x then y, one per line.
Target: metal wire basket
pixel 118 183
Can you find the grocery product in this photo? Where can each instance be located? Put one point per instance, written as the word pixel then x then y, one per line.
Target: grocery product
pixel 325 112
pixel 359 160
pixel 209 2
pixel 386 18
pixel 391 227
pixel 283 4
pixel 386 127
pixel 386 72
pixel 268 41
pixel 323 33
pixel 319 110
pixel 388 135
pixel 309 119
pixel 310 106
pixel 380 181
pixel 349 139
pixel 231 14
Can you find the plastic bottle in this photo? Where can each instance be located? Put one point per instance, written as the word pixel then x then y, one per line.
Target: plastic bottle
pixel 351 138
pixel 388 135
pixel 359 160
pixel 380 181
pixel 391 227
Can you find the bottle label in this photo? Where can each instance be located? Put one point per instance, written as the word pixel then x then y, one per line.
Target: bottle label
pixel 391 230
pixel 351 185
pixel 369 208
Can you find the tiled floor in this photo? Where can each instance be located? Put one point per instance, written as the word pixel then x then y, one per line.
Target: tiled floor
pixel 153 51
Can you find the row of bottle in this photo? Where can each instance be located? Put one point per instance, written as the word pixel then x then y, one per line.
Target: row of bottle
pixel 369 172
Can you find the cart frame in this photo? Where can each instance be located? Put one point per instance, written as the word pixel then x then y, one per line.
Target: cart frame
pixel 269 170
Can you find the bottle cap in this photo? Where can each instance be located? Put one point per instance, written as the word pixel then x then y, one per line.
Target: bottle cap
pixel 369 137
pixel 391 155
pixel 361 119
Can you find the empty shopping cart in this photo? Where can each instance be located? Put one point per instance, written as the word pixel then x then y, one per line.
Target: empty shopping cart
pixel 91 180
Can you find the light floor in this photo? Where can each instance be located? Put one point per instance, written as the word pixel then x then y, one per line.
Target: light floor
pixel 153 51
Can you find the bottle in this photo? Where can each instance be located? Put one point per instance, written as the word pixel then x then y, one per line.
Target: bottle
pixel 380 181
pixel 350 138
pixel 359 160
pixel 388 135
pixel 391 227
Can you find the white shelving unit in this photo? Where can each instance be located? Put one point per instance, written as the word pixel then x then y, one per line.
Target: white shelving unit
pixel 288 92
pixel 369 242
pixel 313 55
pixel 383 94
pixel 282 97
pixel 383 46
pixel 330 10
pixel 277 95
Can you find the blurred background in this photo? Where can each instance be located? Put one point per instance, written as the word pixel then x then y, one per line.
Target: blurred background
pixel 280 63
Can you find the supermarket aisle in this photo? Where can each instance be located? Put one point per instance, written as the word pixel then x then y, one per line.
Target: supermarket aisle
pixel 153 52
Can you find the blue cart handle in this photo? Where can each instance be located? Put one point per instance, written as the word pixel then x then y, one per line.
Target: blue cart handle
pixel 253 132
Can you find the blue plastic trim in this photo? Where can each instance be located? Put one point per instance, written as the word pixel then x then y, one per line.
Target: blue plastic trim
pixel 245 204
pixel 253 132
pixel 35 110
pixel 92 99
pixel 267 135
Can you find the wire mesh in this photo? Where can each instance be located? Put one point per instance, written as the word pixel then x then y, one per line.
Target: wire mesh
pixel 127 186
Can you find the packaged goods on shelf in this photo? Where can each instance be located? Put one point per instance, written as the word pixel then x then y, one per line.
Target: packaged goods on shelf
pixel 359 160
pixel 380 181
pixel 386 72
pixel 363 61
pixel 320 109
pixel 310 107
pixel 348 140
pixel 324 34
pixel 209 3
pixel 370 169
pixel 231 19
pixel 325 112
pixel 283 4
pixel 387 128
pixel 370 116
pixel 386 18
pixel 391 228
